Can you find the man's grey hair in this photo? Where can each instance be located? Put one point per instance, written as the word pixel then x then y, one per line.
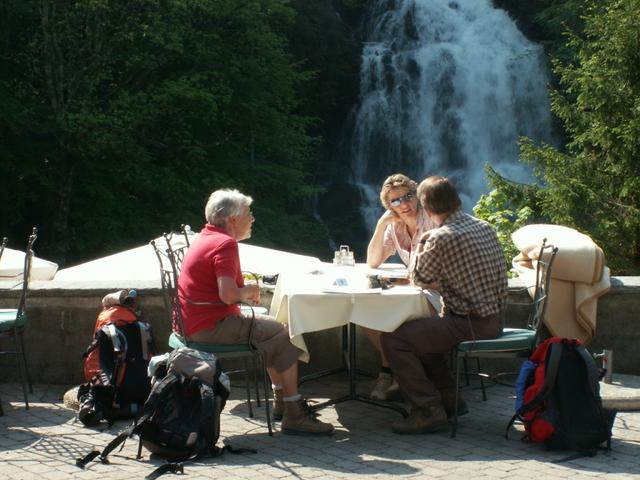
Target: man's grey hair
pixel 223 204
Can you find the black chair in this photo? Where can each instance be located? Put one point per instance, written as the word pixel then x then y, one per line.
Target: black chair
pixel 170 264
pixel 2 246
pixel 13 321
pixel 514 342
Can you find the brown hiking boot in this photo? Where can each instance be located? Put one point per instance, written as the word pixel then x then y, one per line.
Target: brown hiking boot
pixel 278 404
pixel 299 419
pixel 449 403
pixel 422 420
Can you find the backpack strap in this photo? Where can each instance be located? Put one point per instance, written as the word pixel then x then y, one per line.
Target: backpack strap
pixel 145 338
pixel 91 348
pixel 112 333
pixel 592 371
pixel 210 416
pixel 82 462
pixel 217 451
pixel 175 468
pixel 111 446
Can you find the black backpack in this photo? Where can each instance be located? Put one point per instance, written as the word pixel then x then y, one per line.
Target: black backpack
pixel 181 418
pixel 115 366
pixel 558 398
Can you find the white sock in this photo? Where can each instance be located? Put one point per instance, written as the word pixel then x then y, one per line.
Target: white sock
pixel 293 398
pixel 276 387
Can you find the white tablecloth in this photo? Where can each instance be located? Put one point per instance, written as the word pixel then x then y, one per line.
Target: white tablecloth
pixel 302 300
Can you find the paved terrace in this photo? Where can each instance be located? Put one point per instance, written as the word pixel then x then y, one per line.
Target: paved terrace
pixel 44 441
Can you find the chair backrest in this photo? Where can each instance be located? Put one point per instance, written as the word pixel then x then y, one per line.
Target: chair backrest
pixel 169 282
pixel 4 244
pixel 26 272
pixel 176 254
pixel 543 285
pixel 186 231
pixel 170 267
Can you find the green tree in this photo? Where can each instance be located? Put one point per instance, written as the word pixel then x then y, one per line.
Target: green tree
pixel 120 116
pixel 594 184
pixel 506 208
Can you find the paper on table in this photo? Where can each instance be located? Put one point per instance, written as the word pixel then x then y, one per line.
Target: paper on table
pixel 349 285
pixel 389 270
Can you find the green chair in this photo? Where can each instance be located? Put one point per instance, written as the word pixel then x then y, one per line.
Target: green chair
pixel 14 320
pixel 2 246
pixel 514 342
pixel 252 358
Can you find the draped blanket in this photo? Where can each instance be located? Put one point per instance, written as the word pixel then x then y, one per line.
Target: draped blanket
pixel 578 277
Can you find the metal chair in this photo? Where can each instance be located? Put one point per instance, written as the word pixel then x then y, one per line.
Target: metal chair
pixel 252 358
pixel 514 342
pixel 2 246
pixel 14 320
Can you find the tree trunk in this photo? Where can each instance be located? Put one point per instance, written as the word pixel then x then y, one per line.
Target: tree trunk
pixel 59 239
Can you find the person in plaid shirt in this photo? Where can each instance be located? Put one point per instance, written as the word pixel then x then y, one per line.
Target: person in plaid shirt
pixel 463 259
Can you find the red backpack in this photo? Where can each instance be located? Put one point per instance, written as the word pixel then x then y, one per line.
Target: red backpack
pixel 115 364
pixel 558 398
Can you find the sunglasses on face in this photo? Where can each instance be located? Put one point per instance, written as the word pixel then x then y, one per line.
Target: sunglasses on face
pixel 396 202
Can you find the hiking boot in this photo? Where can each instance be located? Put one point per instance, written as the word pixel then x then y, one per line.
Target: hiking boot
pixel 449 403
pixel 278 404
pixel 383 383
pixel 299 419
pixel 422 420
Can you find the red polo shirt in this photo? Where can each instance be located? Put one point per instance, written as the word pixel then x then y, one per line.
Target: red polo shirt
pixel 213 254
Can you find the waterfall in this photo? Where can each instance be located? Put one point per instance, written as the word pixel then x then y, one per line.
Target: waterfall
pixel 446 86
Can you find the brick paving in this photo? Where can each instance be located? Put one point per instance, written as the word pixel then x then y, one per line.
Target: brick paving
pixel 44 442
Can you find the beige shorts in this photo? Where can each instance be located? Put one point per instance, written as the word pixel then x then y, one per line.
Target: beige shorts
pixel 271 338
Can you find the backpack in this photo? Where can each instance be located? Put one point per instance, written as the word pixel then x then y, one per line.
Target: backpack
pixel 558 398
pixel 181 418
pixel 115 364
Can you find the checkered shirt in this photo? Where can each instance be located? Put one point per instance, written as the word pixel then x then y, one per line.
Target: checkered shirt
pixel 464 258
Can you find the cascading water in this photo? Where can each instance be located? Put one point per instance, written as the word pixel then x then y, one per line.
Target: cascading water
pixel 446 86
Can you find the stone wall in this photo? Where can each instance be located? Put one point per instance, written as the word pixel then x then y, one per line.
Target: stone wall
pixel 62 317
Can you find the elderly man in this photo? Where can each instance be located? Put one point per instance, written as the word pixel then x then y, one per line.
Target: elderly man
pixel 211 286
pixel 463 258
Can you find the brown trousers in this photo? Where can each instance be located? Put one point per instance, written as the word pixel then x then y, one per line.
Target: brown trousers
pixel 271 338
pixel 417 352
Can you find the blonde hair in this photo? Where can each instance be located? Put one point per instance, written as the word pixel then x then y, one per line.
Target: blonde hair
pixel 394 181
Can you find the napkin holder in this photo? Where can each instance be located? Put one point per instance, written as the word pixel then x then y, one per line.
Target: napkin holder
pixel 344 256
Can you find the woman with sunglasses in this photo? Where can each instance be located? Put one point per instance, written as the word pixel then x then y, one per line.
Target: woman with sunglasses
pixel 398 231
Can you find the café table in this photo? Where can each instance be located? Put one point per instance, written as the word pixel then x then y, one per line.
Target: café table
pixel 339 296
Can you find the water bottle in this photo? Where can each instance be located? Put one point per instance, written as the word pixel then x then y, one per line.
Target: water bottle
pixel 128 297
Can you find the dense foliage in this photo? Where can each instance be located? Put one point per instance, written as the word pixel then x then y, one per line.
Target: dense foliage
pixel 593 182
pixel 120 116
pixel 506 208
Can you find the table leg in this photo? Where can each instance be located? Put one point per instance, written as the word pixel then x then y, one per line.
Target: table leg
pixel 332 371
pixel 353 372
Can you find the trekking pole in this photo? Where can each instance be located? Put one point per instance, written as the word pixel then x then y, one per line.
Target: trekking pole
pixel 607 364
